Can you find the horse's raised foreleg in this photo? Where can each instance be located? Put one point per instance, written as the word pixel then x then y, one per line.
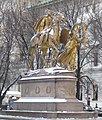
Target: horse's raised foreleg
pixel 44 56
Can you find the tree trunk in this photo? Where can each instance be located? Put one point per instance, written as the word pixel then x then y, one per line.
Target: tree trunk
pixel 1 98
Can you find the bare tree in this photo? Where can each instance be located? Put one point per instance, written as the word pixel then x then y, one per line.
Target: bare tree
pixel 7 41
pixel 16 32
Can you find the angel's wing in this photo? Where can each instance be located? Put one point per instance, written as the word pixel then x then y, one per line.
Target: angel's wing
pixel 64 36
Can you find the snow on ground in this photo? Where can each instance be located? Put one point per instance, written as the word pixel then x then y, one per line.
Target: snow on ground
pixel 8 117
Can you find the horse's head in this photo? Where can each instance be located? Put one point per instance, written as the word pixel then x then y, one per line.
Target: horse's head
pixel 59 16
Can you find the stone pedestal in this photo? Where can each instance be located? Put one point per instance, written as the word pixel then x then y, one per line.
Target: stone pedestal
pixel 49 93
pixel 51 89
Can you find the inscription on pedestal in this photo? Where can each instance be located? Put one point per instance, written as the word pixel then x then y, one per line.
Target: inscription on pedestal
pixel 37 90
pixel 48 89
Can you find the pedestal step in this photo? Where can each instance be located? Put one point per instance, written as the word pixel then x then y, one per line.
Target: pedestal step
pixel 48 104
pixel 46 114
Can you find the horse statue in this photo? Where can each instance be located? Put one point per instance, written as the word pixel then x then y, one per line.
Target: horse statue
pixel 56 44
pixel 47 39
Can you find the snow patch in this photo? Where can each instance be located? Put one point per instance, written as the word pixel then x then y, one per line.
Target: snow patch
pixel 40 99
pixel 47 77
pixel 45 71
